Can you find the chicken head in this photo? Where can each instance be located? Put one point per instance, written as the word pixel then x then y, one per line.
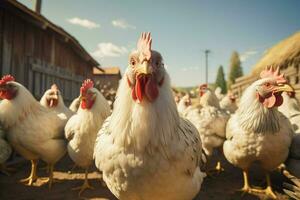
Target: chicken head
pixel 270 87
pixel 87 94
pixel 8 90
pixel 145 73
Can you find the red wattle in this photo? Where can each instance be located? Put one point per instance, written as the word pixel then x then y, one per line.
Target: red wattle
pixel 86 104
pixel 145 86
pixel 133 94
pixel 151 89
pixel 139 88
pixel 270 101
pixel 274 100
pixel 279 100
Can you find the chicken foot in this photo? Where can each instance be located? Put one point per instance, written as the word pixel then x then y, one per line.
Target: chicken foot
pixel 85 185
pixel 268 190
pixel 32 177
pixel 50 180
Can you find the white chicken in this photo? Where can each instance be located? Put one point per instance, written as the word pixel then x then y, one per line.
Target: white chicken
pixel 291 109
pixel 32 130
pixel 82 128
pixel 218 93
pixel 144 149
pixel 228 103
pixel 5 152
pixel 210 121
pixel 53 100
pixel 184 104
pixel 258 132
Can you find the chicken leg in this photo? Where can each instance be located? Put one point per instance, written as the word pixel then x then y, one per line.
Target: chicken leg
pixel 32 177
pixel 268 190
pixel 216 170
pixel 219 167
pixel 85 185
pixel 50 180
pixel 246 188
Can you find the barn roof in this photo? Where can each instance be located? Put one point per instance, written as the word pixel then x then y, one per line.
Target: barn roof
pixel 283 54
pixel 107 71
pixel 42 22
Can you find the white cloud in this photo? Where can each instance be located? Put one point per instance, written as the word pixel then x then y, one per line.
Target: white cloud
pixel 121 23
pixel 189 68
pixel 108 50
pixel 83 22
pixel 246 55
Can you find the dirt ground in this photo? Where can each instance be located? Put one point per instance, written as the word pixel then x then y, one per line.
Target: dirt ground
pixel 220 187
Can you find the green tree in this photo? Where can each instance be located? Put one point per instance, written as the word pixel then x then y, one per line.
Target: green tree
pixel 235 69
pixel 220 80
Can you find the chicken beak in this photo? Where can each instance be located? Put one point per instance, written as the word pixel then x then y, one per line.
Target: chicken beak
pixel 283 88
pixel 144 68
pixel 55 97
pixel 80 97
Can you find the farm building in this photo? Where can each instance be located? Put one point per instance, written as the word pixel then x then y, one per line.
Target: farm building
pixel 108 77
pixel 39 53
pixel 286 55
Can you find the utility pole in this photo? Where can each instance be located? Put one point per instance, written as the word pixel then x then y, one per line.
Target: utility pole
pixel 207 51
pixel 38 6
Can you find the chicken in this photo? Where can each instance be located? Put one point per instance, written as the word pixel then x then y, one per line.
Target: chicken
pixel 75 104
pixel 145 149
pixel 218 93
pixel 82 128
pixel 210 121
pixel 34 131
pixel 5 152
pixel 291 109
pixel 228 103
pixel 53 100
pixel 184 104
pixel 258 132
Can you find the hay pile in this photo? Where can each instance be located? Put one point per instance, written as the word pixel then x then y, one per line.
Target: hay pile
pixel 283 54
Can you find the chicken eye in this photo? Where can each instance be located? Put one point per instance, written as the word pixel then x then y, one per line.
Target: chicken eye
pixel 267 84
pixel 157 64
pixel 132 62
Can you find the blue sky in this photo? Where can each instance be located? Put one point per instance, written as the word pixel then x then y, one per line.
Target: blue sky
pixel 181 30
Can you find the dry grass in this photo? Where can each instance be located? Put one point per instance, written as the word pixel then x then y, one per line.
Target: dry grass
pixel 285 53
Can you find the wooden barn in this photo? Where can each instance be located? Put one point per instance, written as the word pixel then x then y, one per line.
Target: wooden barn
pixel 39 53
pixel 109 77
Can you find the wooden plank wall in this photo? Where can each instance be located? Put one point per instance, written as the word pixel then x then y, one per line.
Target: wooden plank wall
pixel 39 57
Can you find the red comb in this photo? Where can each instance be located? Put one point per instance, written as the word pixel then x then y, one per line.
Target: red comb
pixel 144 46
pixel 54 87
pixel 6 79
pixel 269 72
pixel 203 86
pixel 87 84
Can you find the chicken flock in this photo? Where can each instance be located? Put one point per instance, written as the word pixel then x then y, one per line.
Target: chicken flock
pixel 152 144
